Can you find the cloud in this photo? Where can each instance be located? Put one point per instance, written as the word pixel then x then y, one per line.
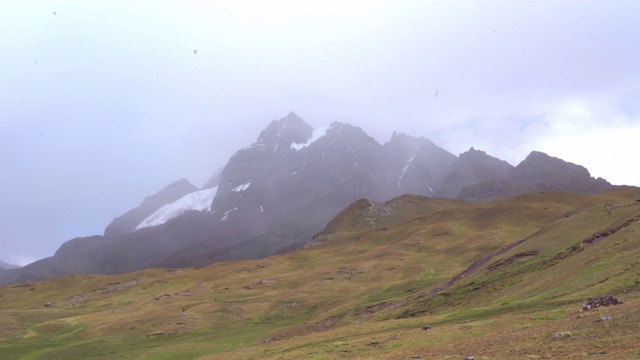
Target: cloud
pixel 21 260
pixel 595 133
pixel 118 105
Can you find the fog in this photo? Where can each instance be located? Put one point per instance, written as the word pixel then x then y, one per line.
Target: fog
pixel 105 102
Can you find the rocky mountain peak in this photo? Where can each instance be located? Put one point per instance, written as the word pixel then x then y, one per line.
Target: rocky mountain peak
pixel 259 161
pixel 402 144
pixel 422 165
pixel 537 172
pixel 479 157
pixel 538 166
pixel 473 152
pixel 407 147
pixel 472 167
pixel 346 137
pixel 280 134
pixel 338 128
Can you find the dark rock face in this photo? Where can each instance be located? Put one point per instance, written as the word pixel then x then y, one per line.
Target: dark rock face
pixel 421 165
pixel 290 191
pixel 259 167
pixel 127 223
pixel 473 167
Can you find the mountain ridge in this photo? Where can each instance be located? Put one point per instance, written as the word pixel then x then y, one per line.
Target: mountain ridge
pixel 7 266
pixel 127 222
pixel 537 172
pixel 274 195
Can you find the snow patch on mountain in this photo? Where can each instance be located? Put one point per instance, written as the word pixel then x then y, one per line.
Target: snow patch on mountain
pixel 408 165
pixel 317 134
pixel 242 187
pixel 197 200
pixel 225 216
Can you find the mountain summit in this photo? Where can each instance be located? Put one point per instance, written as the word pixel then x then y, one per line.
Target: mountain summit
pixel 473 166
pixel 274 195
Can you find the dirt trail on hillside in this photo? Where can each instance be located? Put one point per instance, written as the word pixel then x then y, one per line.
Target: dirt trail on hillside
pixel 591 240
pixel 477 265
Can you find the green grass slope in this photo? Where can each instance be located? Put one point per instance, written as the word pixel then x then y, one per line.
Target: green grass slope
pixel 501 280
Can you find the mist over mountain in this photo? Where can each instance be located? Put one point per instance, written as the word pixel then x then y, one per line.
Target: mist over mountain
pixel 7 266
pixel 274 195
pixel 424 165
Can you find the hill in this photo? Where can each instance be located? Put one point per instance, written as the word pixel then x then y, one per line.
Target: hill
pixel 500 280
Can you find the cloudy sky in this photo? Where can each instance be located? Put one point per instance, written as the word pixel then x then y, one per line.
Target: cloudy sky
pixel 105 102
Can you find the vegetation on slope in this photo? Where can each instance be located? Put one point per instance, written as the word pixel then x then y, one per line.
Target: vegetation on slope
pixel 500 280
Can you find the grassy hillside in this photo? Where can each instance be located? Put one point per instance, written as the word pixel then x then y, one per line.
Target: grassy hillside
pixel 501 280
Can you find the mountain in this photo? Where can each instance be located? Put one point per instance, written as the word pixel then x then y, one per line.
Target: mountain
pixel 473 167
pixel 537 172
pixel 130 220
pixel 214 180
pixel 424 166
pixel 507 279
pixel 7 266
pixel 196 201
pixel 273 196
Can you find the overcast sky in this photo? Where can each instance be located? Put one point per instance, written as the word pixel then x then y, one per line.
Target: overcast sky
pixel 105 102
